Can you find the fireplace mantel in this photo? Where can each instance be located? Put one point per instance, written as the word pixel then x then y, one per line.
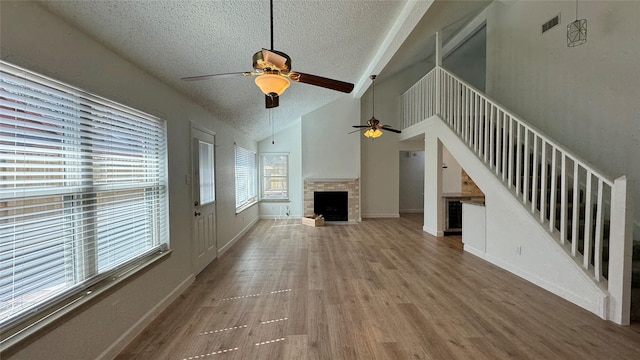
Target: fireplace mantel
pixel 332 180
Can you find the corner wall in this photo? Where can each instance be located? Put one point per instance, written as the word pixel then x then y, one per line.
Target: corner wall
pixel 35 39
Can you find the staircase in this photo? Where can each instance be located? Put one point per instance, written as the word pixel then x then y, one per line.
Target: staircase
pixel 584 210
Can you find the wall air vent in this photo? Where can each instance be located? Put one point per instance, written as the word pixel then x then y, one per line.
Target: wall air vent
pixel 551 23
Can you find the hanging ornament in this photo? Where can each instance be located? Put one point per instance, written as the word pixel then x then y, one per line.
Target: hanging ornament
pixel 577 31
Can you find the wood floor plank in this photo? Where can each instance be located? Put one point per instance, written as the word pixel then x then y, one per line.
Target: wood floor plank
pixel 380 289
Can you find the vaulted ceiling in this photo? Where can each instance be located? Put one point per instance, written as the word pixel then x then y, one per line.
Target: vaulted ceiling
pixel 341 39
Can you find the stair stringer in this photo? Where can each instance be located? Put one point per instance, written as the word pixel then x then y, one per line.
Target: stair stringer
pixel 510 226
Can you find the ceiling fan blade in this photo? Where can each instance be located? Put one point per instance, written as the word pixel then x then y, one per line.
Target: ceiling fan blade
pixel 392 130
pixel 324 82
pixel 271 101
pixel 351 132
pixel 361 126
pixel 223 75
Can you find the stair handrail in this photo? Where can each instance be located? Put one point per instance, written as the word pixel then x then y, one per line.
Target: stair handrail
pixel 594 170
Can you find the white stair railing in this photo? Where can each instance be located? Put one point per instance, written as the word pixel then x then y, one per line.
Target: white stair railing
pixel 570 198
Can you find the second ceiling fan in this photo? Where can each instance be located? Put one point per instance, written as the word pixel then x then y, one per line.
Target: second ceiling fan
pixel 373 126
pixel 272 71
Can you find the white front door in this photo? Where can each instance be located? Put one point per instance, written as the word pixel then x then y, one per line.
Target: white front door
pixel 205 248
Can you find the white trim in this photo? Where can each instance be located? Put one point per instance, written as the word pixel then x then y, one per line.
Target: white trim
pixel 332 180
pixel 279 217
pixel 433 232
pixel 380 216
pixel 228 245
pixel 599 307
pixel 473 251
pixel 137 328
pixel 411 210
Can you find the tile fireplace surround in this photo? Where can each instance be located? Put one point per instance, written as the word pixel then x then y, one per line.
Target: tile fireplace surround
pixel 352 186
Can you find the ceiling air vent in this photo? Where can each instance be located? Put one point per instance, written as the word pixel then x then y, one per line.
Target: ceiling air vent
pixel 551 23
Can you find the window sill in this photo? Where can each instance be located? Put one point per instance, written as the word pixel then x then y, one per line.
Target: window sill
pixel 274 200
pixel 39 323
pixel 245 207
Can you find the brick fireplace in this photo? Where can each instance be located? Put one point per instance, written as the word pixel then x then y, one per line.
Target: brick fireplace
pixel 351 186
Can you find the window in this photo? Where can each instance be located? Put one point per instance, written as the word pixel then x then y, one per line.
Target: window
pixel 275 173
pixel 82 190
pixel 246 178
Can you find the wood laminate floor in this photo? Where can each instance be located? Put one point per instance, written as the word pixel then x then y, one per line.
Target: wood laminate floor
pixel 381 289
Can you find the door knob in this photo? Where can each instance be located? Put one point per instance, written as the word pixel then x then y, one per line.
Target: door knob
pixel 197 213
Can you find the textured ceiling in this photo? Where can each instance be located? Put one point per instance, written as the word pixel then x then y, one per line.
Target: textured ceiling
pixel 171 39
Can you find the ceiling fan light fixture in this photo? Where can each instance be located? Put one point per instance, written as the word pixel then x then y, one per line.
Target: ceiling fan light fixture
pixel 272 84
pixel 373 133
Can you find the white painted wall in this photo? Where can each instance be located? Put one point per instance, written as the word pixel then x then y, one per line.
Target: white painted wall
pixel 452 174
pixel 34 38
pixel 288 141
pixel 469 60
pixel 585 97
pixel 380 160
pixel 328 151
pixel 411 181
pixel 411 187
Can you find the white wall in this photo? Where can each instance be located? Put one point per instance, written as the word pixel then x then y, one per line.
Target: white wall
pixel 288 141
pixel 452 174
pixel 411 181
pixel 469 60
pixel 33 38
pixel 380 161
pixel 585 97
pixel 328 151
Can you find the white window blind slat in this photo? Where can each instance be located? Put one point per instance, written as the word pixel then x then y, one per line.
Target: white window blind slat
pixel 246 177
pixel 82 188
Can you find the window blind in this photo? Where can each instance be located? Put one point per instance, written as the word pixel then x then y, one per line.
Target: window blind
pixel 246 178
pixel 82 188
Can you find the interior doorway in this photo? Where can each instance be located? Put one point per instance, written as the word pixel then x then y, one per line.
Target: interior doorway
pixel 411 192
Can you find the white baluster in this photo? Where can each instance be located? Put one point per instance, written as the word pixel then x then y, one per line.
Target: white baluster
pixel 587 224
pixel 563 199
pixel 554 187
pixel 576 211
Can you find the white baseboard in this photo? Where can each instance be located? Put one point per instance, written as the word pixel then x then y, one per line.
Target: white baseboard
pixel 599 307
pixel 412 211
pixel 474 251
pixel 228 245
pixel 137 328
pixel 381 216
pixel 433 232
pixel 280 217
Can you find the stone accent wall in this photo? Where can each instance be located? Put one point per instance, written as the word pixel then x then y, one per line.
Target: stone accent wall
pixel 350 186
